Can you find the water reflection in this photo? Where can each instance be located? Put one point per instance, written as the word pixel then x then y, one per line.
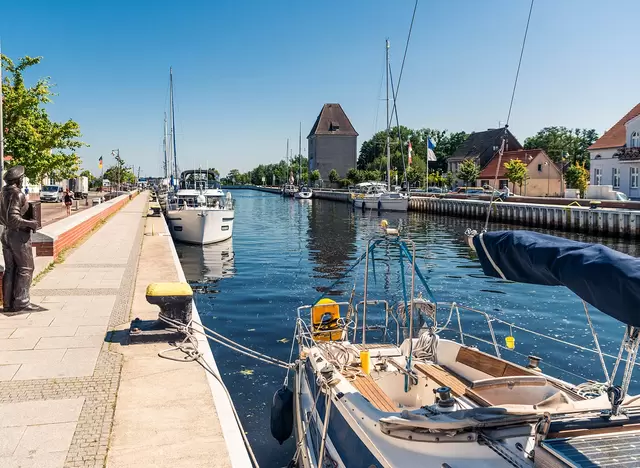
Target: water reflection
pixel 331 239
pixel 204 265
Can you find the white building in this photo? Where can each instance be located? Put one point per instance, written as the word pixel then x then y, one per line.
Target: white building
pixel 615 157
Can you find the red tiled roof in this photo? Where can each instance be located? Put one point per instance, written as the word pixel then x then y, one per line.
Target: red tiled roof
pixel 526 156
pixel 616 136
pixel 332 120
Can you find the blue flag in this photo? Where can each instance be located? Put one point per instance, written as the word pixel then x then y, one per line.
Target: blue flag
pixel 431 144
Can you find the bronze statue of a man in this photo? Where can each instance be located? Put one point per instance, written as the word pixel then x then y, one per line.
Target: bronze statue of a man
pixel 16 243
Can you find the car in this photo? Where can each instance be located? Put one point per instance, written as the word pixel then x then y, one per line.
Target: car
pixel 51 193
pixel 468 190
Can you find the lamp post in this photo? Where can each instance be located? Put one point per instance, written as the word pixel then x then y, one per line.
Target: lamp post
pixel 546 163
pixel 116 154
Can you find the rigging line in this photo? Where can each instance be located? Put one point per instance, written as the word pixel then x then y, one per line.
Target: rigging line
pixel 400 142
pixel 515 84
pixel 406 48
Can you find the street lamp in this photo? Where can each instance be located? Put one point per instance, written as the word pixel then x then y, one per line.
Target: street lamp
pixel 546 163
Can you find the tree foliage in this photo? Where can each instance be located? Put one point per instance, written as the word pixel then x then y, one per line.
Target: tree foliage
pixel 314 176
pixel 577 177
pixel 373 151
pixel 33 140
pixel 516 172
pixel 334 176
pixel 559 142
pixel 120 174
pixel 468 172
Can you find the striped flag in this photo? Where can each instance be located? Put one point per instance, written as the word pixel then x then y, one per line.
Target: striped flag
pixel 410 151
pixel 100 162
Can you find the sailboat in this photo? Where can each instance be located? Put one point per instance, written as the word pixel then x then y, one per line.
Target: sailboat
pixel 377 386
pixel 374 195
pixel 304 191
pixel 199 212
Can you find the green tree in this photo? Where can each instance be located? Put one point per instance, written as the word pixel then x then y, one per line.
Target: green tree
pixel 215 171
pixel 516 172
pixel 120 174
pixel 449 179
pixel 577 177
pixel 87 173
pixel 334 176
pixel 33 140
pixel 562 141
pixel 234 177
pixel 314 176
pixel 468 172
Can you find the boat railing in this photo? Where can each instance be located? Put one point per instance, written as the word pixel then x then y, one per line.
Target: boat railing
pixel 458 311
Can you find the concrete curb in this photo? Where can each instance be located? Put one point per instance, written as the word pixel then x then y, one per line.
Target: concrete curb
pixel 233 438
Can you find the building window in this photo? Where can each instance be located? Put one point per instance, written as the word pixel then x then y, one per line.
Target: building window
pixel 539 167
pixel 616 177
pixel 597 156
pixel 597 176
pixel 634 177
pixel 484 183
pixel 503 184
pixel 635 140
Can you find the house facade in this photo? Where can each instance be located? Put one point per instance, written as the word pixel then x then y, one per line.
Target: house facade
pixel 332 142
pixel 482 147
pixel 545 177
pixel 615 157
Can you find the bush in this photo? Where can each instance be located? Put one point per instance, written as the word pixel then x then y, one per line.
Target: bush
pixel 334 176
pixel 344 183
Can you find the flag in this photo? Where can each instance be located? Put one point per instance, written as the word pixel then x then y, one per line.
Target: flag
pixel 431 144
pixel 100 162
pixel 409 151
pixel 431 156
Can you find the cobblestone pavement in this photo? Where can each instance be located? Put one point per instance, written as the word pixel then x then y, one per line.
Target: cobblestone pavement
pixel 58 379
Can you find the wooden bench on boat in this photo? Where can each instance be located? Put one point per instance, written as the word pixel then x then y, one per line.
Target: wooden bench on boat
pixel 447 378
pixel 369 389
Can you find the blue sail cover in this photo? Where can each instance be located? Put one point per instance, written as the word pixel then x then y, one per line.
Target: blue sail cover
pixel 605 278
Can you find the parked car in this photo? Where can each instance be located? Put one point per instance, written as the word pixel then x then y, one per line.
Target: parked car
pixel 468 190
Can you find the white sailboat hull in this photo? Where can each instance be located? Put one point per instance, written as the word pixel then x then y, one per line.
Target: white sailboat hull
pixel 383 202
pixel 201 225
pixel 303 195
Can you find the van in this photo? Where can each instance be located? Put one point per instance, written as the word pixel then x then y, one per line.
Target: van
pixel 51 193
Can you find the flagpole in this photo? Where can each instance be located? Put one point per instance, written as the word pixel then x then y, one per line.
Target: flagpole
pixel 426 185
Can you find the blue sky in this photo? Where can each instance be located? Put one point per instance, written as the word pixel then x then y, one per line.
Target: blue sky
pixel 248 71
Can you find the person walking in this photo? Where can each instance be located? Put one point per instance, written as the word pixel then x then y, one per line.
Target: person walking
pixel 68 200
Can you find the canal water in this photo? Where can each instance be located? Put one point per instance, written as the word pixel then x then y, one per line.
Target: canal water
pixel 285 252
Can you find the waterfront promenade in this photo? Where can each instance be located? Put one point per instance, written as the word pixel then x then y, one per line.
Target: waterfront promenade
pixel 72 395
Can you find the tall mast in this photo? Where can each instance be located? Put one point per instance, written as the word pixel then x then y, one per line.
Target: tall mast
pixel 388 122
pixel 173 126
pixel 164 145
pixel 300 155
pixel 287 158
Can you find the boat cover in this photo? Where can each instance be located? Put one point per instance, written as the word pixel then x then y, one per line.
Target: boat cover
pixel 606 279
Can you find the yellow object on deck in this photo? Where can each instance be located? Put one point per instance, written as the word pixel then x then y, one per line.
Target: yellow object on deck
pixel 365 361
pixel 169 289
pixel 324 320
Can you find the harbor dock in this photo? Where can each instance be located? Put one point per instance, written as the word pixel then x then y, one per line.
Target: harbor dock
pixel 572 215
pixel 74 393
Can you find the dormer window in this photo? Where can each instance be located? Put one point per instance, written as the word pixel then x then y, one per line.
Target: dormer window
pixel 635 139
pixel 597 156
pixel 333 126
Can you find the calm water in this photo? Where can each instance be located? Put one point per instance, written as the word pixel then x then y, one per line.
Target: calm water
pixel 285 252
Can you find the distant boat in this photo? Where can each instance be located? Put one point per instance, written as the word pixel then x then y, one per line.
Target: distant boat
pixel 304 193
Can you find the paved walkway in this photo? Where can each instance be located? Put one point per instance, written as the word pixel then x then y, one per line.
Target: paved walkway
pixel 58 379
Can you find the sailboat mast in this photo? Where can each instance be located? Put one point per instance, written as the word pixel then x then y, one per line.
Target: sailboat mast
pixel 173 125
pixel 164 146
pixel 388 122
pixel 287 158
pixel 300 154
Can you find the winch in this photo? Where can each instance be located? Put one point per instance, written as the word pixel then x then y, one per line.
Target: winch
pixel 444 398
